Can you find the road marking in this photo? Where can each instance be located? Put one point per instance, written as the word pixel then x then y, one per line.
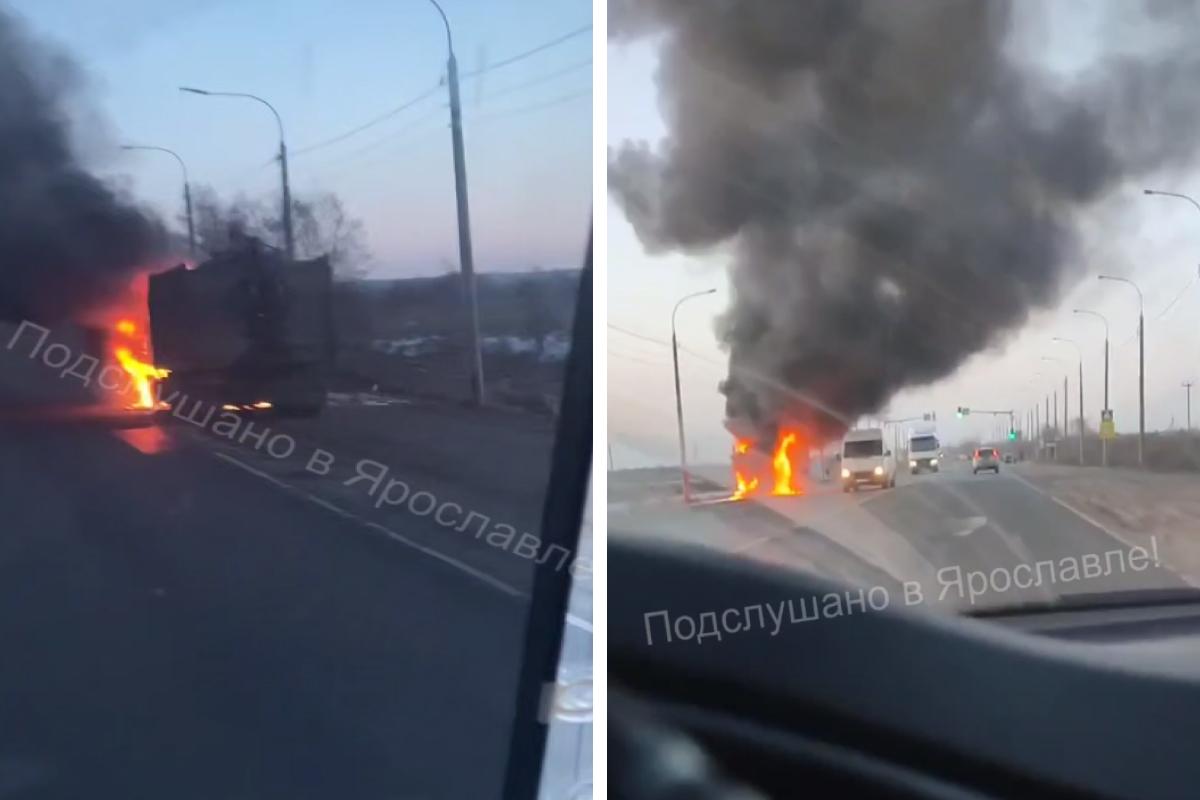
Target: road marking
pixel 579 622
pixel 971 524
pixel 1015 543
pixel 1088 518
pixel 244 466
pixel 391 534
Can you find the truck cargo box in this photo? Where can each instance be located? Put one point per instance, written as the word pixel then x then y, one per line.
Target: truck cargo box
pixel 245 327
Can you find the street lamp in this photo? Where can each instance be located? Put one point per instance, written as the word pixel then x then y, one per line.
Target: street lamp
pixel 289 244
pixel 1141 365
pixel 1102 318
pixel 466 257
pixel 687 488
pixel 1187 385
pixel 1172 194
pixel 1062 364
pixel 187 192
pixel 1078 350
pixel 1039 427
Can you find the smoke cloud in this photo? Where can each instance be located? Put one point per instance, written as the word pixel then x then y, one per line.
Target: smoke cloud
pixel 896 184
pixel 68 242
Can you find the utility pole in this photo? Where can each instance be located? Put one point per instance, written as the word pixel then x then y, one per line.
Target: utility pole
pixel 1081 411
pixel 289 236
pixel 187 190
pixel 683 465
pixel 1066 411
pixel 1187 385
pixel 1141 386
pixel 289 242
pixel 1141 366
pixel 1103 319
pixel 466 256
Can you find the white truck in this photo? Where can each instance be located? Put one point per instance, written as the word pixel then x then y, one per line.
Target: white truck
pixel 867 460
pixel 924 452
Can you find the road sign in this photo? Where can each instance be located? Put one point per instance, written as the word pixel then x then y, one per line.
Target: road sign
pixel 1108 428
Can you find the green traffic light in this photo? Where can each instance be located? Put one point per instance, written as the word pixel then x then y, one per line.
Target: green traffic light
pixel 1012 436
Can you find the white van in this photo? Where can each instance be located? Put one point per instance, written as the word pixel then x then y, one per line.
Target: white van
pixel 866 459
pixel 924 452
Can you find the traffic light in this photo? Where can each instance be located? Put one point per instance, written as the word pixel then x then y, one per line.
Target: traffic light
pixel 962 411
pixel 1012 435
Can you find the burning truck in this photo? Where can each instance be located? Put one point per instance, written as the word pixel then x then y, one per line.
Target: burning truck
pixel 769 464
pixel 247 330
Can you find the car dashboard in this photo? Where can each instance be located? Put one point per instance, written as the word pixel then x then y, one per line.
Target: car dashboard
pixel 897 702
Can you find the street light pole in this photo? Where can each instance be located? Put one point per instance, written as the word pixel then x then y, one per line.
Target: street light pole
pixel 683 467
pixel 1066 415
pixel 466 255
pixel 1141 366
pixel 1172 194
pixel 1187 385
pixel 289 241
pixel 1103 441
pixel 1078 350
pixel 187 191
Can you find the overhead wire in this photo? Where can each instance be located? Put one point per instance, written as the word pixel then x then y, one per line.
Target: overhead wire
pixel 530 52
pixel 430 91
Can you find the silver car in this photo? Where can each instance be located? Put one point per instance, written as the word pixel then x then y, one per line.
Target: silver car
pixel 985 458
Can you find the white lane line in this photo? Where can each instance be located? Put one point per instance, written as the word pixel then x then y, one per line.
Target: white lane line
pixel 391 534
pixel 454 562
pixel 1088 518
pixel 579 622
pixel 243 466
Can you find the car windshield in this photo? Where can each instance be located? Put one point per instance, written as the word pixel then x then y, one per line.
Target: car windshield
pixel 862 449
pixel 966 225
pixel 295 336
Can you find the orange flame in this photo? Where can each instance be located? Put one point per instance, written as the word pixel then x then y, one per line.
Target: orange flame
pixel 782 463
pixel 142 374
pixel 782 468
pixel 745 486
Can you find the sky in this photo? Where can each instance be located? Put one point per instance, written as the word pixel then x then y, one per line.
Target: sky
pixel 329 67
pixel 1153 240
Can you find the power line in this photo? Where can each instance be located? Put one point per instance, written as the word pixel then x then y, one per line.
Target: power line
pixel 1182 292
pixel 381 118
pixel 538 80
pixel 433 89
pixel 643 337
pixel 532 51
pixel 636 360
pixel 512 112
pixel 415 125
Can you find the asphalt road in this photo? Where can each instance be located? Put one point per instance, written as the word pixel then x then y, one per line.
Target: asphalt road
pixel 929 522
pixel 184 616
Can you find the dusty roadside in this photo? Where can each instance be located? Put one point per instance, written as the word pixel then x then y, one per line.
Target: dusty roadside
pixel 1133 505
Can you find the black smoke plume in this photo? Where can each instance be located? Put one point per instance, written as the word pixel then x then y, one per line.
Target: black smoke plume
pixel 68 242
pixel 896 182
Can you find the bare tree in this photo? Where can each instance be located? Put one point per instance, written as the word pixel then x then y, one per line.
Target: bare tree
pixel 321 223
pixel 324 228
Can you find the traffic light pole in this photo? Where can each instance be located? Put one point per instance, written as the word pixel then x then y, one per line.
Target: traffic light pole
pixel 965 411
